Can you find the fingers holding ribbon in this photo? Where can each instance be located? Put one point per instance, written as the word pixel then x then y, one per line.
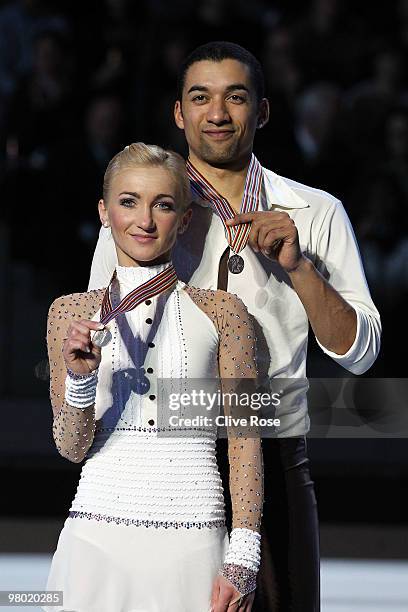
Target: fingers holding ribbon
pixel 237 237
pixel 273 233
pixel 81 356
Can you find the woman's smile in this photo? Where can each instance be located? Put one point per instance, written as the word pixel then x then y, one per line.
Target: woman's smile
pixel 143 239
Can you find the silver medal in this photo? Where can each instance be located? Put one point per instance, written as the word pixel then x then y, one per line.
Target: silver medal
pixel 236 264
pixel 101 337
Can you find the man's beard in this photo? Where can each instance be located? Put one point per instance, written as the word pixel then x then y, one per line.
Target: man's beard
pixel 218 156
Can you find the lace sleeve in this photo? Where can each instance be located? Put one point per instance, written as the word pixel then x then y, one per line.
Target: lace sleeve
pixel 73 428
pixel 237 364
pixel 237 367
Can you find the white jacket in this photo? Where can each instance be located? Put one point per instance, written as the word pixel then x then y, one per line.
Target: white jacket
pixel 326 237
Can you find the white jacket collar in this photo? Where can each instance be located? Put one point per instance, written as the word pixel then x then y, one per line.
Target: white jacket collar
pixel 279 194
pixel 277 191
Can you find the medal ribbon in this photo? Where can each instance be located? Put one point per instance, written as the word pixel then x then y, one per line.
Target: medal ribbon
pixel 159 283
pixel 237 235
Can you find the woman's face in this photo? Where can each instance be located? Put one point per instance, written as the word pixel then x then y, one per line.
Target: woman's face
pixel 144 214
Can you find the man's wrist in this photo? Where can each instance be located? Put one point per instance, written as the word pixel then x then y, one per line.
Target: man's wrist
pixel 302 268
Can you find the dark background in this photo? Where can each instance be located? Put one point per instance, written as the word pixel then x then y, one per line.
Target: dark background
pixel 79 80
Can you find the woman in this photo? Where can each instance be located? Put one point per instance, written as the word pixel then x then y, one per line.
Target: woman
pixel 146 530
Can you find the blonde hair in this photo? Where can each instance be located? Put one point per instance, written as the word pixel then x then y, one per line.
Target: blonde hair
pixel 141 154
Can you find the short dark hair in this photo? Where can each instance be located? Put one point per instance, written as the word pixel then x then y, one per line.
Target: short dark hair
pixel 216 52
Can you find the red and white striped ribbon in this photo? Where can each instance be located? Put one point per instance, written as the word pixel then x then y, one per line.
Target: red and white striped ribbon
pixel 237 235
pixel 159 283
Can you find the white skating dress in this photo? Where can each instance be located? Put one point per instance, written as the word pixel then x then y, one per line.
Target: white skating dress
pixel 146 530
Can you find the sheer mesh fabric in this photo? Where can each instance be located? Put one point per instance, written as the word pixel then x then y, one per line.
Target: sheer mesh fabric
pixel 237 367
pixel 73 428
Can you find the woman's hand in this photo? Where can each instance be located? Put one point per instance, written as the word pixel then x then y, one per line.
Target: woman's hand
pixel 80 355
pixel 225 598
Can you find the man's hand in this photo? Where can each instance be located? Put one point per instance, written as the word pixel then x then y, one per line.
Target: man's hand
pixel 275 235
pixel 225 598
pixel 333 319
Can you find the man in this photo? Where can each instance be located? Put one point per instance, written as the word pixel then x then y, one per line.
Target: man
pixel 300 265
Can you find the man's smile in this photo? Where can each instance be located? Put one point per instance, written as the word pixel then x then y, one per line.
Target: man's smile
pixel 215 134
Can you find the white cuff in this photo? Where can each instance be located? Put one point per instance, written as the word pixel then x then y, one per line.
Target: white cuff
pixel 364 350
pixel 81 392
pixel 244 548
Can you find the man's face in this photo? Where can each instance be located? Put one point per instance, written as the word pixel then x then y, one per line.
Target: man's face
pixel 219 111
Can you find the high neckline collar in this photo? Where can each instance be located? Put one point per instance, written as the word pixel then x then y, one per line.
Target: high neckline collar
pixel 133 276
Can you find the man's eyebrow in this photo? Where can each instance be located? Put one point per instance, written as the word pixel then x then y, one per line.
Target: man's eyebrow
pixel 229 88
pixel 197 88
pixel 235 86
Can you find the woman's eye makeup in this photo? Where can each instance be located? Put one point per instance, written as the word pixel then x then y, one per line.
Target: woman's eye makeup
pixel 161 204
pixel 165 205
pixel 128 202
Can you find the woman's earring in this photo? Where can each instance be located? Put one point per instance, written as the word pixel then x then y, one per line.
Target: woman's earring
pixel 107 226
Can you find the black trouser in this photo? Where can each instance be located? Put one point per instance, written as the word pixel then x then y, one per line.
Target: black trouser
pixel 289 577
